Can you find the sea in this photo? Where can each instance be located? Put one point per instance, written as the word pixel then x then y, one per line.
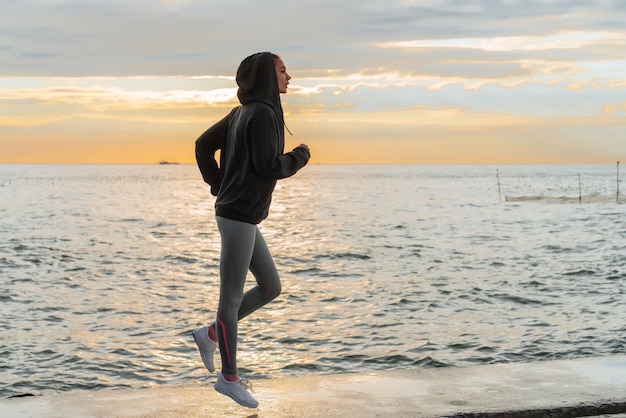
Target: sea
pixel 106 269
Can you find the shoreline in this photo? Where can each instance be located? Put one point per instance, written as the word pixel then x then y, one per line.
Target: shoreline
pixel 558 388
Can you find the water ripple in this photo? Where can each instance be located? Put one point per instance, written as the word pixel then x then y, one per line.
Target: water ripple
pixel 105 271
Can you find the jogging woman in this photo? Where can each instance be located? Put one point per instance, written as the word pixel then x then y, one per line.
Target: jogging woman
pixel 251 143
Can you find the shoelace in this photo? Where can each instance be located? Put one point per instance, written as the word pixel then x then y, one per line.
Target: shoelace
pixel 245 383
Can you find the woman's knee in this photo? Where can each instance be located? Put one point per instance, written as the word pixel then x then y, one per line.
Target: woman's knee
pixel 270 290
pixel 277 289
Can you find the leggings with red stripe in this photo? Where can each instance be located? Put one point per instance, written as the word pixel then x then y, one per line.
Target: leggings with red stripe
pixel 243 249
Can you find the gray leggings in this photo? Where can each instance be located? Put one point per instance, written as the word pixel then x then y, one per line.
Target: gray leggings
pixel 243 249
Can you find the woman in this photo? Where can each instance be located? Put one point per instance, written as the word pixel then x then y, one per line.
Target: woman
pixel 251 144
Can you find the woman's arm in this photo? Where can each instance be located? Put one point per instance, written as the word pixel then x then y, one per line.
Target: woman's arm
pixel 206 146
pixel 267 149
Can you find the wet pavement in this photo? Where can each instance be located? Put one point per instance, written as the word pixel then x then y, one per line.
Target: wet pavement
pixel 562 388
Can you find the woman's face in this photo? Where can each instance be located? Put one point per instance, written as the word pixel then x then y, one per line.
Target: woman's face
pixel 282 76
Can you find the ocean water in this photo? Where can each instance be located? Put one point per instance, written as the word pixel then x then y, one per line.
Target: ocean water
pixel 105 270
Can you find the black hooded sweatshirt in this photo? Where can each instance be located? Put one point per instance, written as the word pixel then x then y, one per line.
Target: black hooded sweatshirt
pixel 251 141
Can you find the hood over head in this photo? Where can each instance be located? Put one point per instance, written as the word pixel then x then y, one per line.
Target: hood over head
pixel 256 78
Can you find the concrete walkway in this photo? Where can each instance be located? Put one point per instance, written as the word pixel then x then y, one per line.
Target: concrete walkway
pixel 563 388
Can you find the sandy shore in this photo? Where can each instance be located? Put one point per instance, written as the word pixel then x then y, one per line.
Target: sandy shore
pixel 563 388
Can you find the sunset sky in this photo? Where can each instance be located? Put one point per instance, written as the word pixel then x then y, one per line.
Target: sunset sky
pixel 387 81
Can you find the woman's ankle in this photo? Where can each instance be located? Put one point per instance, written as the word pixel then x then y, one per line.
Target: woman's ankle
pixel 231 377
pixel 212 333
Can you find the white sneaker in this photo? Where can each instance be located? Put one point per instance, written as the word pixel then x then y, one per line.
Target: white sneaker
pixel 206 347
pixel 237 391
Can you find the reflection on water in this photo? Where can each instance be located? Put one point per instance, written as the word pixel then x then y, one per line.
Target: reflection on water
pixel 105 270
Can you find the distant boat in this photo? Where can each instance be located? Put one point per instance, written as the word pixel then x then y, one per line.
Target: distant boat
pixel 165 162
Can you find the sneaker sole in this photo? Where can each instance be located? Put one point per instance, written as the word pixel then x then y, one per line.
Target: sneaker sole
pixel 240 403
pixel 201 356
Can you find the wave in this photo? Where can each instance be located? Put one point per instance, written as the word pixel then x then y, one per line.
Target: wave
pixel 591 198
pixel 347 255
pixel 420 268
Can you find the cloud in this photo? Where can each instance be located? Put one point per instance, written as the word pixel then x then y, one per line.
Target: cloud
pixel 64 99
pixel 564 40
pixel 545 63
pixel 196 37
